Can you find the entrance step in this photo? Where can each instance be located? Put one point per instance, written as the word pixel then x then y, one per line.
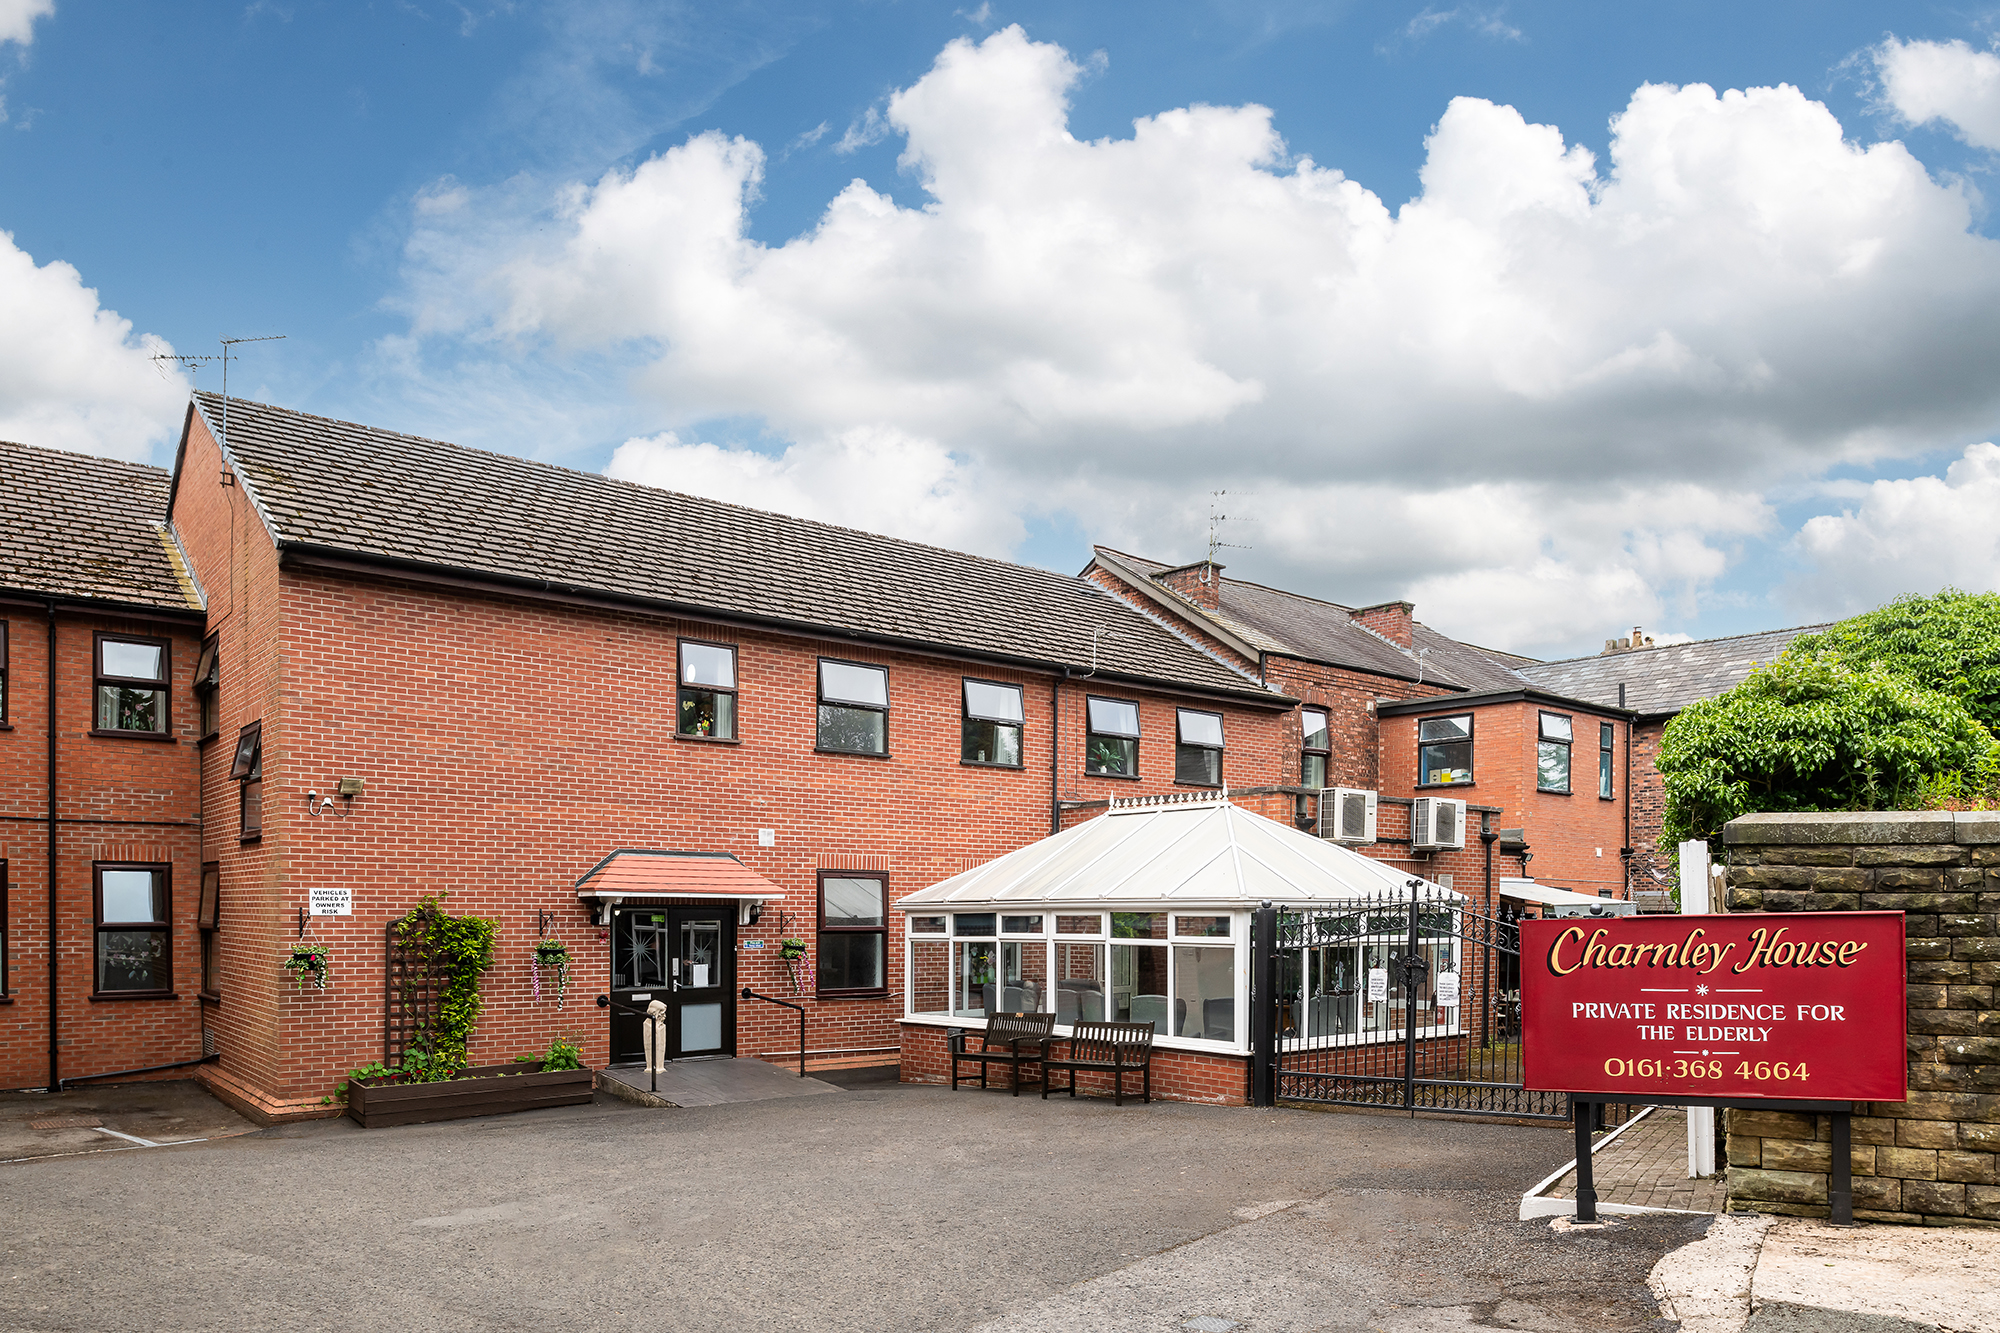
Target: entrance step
pixel 715 1082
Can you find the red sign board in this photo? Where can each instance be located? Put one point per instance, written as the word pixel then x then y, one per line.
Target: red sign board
pixel 1793 1006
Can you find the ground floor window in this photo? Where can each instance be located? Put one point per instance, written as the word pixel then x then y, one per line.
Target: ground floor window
pixel 853 933
pixel 207 920
pixel 133 929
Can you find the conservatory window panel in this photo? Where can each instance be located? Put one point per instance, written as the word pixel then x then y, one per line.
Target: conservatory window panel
pixel 1205 993
pixel 1079 983
pixel 930 979
pixel 975 978
pixel 1024 977
pixel 1139 992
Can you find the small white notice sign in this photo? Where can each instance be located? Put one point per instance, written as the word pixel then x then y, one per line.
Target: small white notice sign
pixel 698 975
pixel 1378 984
pixel 1447 990
pixel 332 902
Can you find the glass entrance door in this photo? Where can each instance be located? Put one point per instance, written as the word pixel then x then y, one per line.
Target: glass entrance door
pixel 684 957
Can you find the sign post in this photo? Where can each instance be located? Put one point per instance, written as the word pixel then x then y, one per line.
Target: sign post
pixel 1695 902
pixel 1783 1011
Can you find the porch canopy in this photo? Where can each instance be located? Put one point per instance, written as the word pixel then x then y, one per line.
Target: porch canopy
pixel 1527 891
pixel 1140 914
pixel 634 872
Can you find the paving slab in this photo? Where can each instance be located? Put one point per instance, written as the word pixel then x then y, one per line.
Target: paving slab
pixel 1645 1166
pixel 715 1082
pixel 104 1117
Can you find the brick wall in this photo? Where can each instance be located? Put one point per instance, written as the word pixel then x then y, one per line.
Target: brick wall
pixel 1649 809
pixel 117 799
pixel 1930 1159
pixel 1178 1076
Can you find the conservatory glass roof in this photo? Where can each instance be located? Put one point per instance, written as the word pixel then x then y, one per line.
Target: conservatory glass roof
pixel 1177 851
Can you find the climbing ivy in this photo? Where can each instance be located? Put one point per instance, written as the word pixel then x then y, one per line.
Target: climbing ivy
pixel 461 947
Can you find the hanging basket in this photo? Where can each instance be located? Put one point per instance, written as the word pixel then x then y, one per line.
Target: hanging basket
pixel 310 960
pixel 555 954
pixel 792 954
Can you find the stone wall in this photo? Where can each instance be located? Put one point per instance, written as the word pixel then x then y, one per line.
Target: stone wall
pixel 1932 1159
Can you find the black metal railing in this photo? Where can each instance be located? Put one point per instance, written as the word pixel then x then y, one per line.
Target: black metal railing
pixel 800 1009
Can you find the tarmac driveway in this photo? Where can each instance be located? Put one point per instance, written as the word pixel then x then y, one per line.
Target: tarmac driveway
pixel 883 1208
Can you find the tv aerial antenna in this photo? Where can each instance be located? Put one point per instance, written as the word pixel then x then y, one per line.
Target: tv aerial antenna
pixel 1216 518
pixel 195 363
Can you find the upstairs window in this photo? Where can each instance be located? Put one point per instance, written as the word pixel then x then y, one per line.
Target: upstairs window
pixel 1444 750
pixel 1312 765
pixel 853 708
pixel 131 686
pixel 991 731
pixel 207 686
pixel 853 933
pixel 247 768
pixel 1604 740
pixel 207 921
pixel 1111 738
pixel 132 929
pixel 708 691
pixel 1552 753
pixel 1198 748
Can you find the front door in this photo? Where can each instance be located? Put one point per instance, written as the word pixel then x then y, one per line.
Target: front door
pixel 685 957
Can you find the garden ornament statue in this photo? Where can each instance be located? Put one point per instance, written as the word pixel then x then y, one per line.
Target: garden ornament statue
pixel 656 1036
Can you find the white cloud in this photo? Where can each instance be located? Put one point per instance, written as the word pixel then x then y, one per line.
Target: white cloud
pixel 1520 365
pixel 17 19
pixel 1910 535
pixel 1925 81
pixel 72 375
pixel 1486 22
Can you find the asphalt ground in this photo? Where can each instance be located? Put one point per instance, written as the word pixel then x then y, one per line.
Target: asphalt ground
pixel 885 1208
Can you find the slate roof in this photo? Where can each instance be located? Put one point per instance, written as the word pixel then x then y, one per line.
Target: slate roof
pixel 343 489
pixel 1666 679
pixel 78 527
pixel 1294 625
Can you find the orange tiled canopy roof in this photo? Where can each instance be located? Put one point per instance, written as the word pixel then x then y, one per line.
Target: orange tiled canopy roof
pixel 638 873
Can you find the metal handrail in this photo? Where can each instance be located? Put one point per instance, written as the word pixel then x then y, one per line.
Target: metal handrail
pixel 800 1009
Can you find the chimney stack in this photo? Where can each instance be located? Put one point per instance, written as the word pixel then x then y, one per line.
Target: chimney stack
pixel 1200 583
pixel 1638 640
pixel 1394 621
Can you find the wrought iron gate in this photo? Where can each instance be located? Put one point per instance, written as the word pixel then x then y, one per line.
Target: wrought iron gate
pixel 1409 1000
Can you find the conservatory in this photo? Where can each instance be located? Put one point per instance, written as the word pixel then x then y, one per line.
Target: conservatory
pixel 1143 914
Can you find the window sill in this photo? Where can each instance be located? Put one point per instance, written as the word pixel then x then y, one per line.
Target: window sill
pixel 209 997
pixel 708 740
pixel 1550 791
pixel 851 994
pixel 1199 786
pixel 1115 777
pixel 1444 786
pixel 206 739
pixel 6 726
pixel 7 999
pixel 855 754
pixel 135 736
pixel 105 996
pixel 252 840
pixel 981 763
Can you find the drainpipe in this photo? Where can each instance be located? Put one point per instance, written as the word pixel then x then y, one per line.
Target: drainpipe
pixel 1489 837
pixel 1625 853
pixel 49 686
pixel 1055 751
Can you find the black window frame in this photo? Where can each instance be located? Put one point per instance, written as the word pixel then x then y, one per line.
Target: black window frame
pixel 822 703
pixel 248 772
pixel 1607 743
pixel 163 891
pixel 1186 750
pixel 822 930
pixel 162 685
pixel 682 690
pixel 1470 741
pixel 1568 749
pixel 967 722
pixel 1307 753
pixel 6 697
pixel 6 973
pixel 208 921
pixel 1091 736
pixel 208 687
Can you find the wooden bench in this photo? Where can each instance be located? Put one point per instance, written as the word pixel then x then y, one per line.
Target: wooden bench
pixel 1113 1048
pixel 1003 1040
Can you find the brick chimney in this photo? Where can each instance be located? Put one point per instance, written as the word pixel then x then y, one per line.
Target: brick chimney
pixel 1394 621
pixel 1200 583
pixel 1638 640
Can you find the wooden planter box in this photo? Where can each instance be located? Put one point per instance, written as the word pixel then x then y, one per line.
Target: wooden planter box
pixel 487 1090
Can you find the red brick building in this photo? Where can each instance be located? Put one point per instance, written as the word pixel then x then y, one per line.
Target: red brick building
pixel 447 671
pixel 101 719
pixel 1390 706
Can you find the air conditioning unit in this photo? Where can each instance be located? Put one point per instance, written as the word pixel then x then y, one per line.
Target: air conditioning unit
pixel 1347 814
pixel 1437 824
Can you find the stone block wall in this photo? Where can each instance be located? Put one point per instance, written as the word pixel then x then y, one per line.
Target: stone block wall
pixel 1929 1160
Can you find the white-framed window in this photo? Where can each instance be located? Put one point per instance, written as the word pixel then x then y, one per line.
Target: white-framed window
pixel 1316 747
pixel 1553 737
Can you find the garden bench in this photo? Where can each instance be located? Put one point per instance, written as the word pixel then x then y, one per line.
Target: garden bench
pixel 1002 1043
pixel 1113 1048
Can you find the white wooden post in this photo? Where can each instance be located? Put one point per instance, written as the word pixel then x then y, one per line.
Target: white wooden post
pixel 1695 899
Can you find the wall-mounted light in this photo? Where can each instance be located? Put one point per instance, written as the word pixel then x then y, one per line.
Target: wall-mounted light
pixel 319 806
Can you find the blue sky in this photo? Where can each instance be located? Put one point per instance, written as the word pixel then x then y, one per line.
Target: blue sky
pixel 405 190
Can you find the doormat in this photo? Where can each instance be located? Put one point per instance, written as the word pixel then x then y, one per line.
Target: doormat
pixel 67 1122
